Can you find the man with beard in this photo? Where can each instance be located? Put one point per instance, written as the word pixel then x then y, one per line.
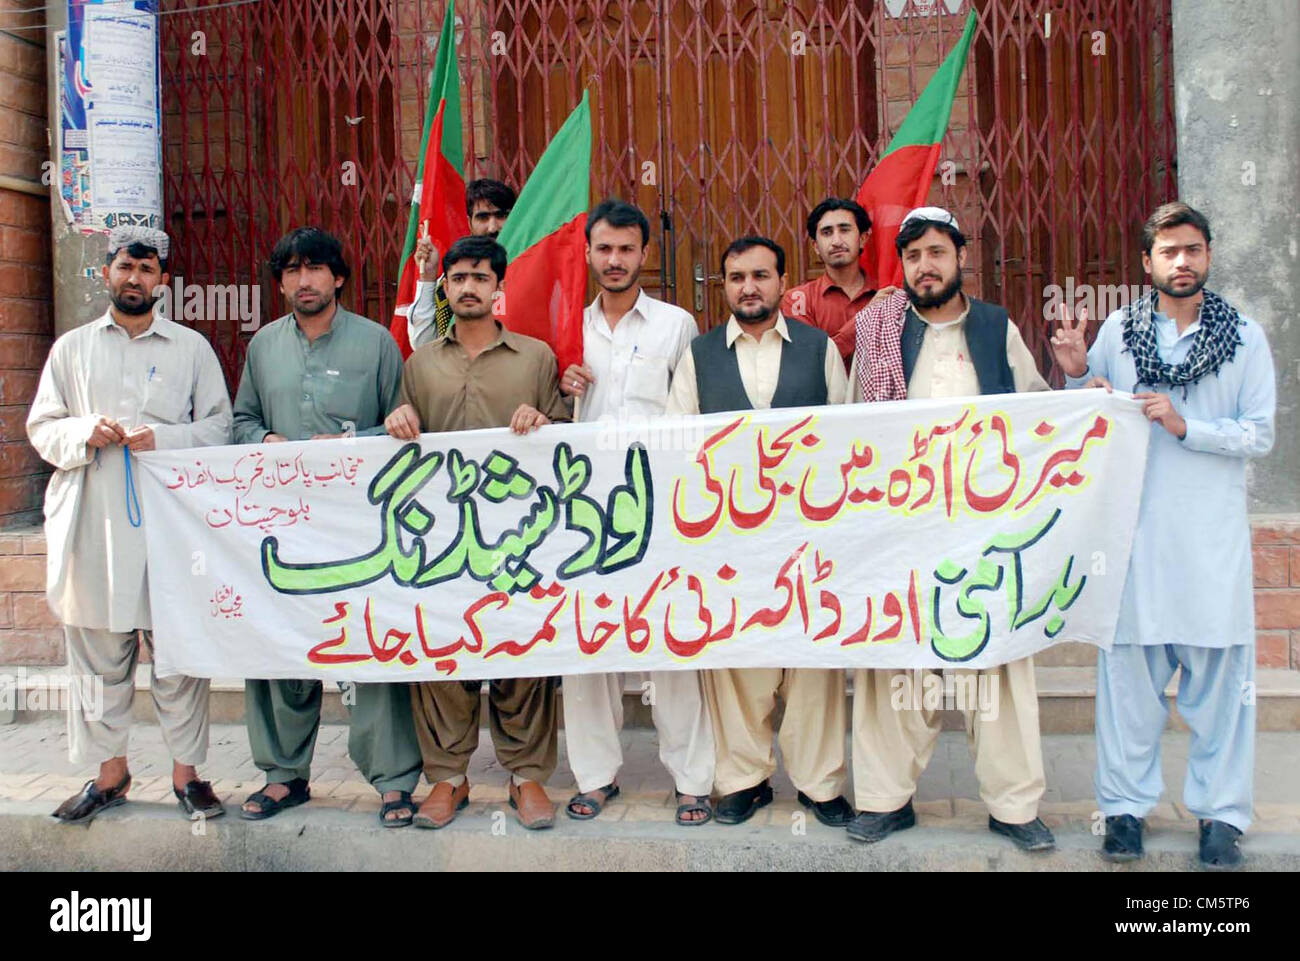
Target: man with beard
pixel 481 375
pixel 632 344
pixel 759 360
pixel 838 229
pixel 128 382
pixel 488 203
pixel 1188 602
pixel 932 340
pixel 319 372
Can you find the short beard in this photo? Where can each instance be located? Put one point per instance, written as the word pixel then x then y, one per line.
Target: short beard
pixel 1168 289
pixel 940 297
pixel 632 277
pixel 312 312
pixel 755 315
pixel 132 310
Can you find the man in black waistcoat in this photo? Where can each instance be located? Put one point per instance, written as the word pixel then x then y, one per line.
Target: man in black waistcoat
pixel 931 340
pixel 758 360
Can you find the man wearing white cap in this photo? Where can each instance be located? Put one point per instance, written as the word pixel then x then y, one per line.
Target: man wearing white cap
pixel 128 382
pixel 931 340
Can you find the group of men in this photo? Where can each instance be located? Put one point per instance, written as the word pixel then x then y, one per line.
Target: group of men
pixel 133 381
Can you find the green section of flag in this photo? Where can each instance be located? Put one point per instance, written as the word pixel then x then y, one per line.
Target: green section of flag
pixel 444 84
pixel 927 121
pixel 558 188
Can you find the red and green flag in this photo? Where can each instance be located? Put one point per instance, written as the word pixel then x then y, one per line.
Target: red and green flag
pixel 545 242
pixel 438 201
pixel 901 179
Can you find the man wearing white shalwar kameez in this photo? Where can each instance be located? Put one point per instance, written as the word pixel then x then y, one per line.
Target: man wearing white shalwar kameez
pixel 1188 601
pixel 127 382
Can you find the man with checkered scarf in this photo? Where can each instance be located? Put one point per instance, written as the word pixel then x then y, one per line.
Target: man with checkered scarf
pixel 1205 379
pixel 932 340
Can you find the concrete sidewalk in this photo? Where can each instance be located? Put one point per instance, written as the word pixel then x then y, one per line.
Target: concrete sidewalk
pixel 339 829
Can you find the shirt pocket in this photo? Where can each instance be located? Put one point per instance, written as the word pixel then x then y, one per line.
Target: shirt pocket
pixel 349 397
pixel 165 404
pixel 647 380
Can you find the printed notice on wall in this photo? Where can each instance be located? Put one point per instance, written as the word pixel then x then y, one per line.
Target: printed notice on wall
pixel 111 153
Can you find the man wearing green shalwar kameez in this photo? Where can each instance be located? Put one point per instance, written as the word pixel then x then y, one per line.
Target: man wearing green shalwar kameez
pixel 320 372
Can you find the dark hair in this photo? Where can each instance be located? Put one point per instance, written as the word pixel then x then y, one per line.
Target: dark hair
pixel 493 191
pixel 308 245
pixel 138 251
pixel 838 203
pixel 477 248
pixel 749 243
pixel 618 213
pixel 1173 214
pixel 914 230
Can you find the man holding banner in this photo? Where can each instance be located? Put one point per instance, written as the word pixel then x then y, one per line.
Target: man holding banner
pixel 480 375
pixel 760 360
pixel 128 382
pixel 934 341
pixel 488 203
pixel 632 344
pixel 320 372
pixel 1188 602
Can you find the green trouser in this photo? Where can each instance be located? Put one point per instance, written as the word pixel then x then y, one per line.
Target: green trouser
pixel 283 719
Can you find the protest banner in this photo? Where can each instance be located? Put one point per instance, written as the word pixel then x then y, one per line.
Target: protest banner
pixel 965 532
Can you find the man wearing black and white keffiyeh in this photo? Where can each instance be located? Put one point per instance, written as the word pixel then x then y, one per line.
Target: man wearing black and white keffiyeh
pixel 1188 601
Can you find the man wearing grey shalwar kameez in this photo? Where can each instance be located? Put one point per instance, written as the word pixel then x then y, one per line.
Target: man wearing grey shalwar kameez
pixel 128 382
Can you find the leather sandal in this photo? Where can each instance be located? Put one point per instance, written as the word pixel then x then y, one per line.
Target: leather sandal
pixel 403 803
pixel 90 800
pixel 299 793
pixel 198 800
pixel 701 803
pixel 533 807
pixel 594 800
pixel 440 807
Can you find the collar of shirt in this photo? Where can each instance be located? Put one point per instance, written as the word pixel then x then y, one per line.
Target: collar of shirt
pixel 505 338
pixel 735 331
pixel 158 325
pixel 341 318
pixel 960 318
pixel 1167 328
pixel 595 313
pixel 824 283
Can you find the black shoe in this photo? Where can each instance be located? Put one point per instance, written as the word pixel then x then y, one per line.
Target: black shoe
pixel 740 806
pixel 1219 848
pixel 90 800
pixel 198 800
pixel 834 813
pixel 1123 838
pixel 1034 836
pixel 871 826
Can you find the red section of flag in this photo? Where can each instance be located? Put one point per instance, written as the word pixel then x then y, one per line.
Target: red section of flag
pixel 899 183
pixel 442 215
pixel 546 288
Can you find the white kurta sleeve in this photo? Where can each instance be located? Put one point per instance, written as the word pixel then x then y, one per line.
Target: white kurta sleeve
pixel 58 435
